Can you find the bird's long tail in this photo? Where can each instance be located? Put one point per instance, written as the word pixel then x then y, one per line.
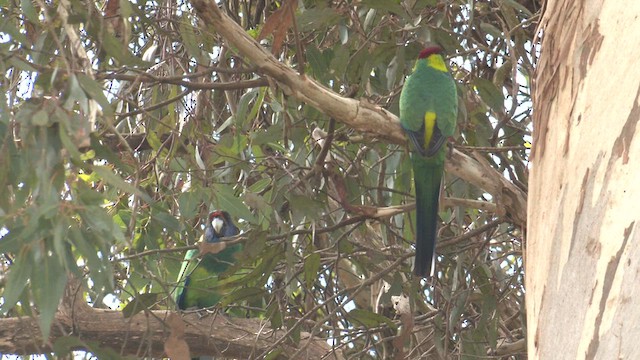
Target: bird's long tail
pixel 427 175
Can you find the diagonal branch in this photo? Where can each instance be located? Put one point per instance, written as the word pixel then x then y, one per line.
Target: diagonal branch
pixel 360 115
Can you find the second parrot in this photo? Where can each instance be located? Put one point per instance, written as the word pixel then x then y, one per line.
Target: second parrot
pixel 197 284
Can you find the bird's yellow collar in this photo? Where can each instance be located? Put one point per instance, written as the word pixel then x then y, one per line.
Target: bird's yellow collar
pixel 437 62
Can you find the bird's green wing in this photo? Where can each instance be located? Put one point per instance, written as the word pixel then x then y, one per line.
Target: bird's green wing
pixel 428 111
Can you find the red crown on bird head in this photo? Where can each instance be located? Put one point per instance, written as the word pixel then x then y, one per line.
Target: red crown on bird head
pixel 429 51
pixel 216 214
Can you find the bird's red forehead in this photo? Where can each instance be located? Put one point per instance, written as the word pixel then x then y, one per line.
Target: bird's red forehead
pixel 216 214
pixel 429 51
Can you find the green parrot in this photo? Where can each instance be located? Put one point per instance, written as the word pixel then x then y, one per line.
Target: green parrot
pixel 428 113
pixel 198 278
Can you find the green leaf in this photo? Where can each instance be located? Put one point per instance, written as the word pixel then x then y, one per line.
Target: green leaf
pixel 303 206
pixel 17 279
pixel 488 312
pixel 126 9
pixel 40 118
pixel 47 285
pixel 191 43
pixel 241 294
pixel 318 62
pixel 340 61
pixel 439 337
pixel 386 5
pixel 259 185
pixel 472 345
pixel 294 330
pixel 104 353
pixel 60 245
pixel 226 200
pixel 188 203
pixel 274 354
pixel 274 315
pixel 270 135
pixel 421 4
pixel 317 18
pixel 164 219
pixel 68 144
pixel 491 30
pixel 139 303
pixel 482 277
pixel 96 92
pixel 115 47
pixel 241 116
pixel 100 268
pixel 458 307
pixel 14 34
pixel 344 34
pixel 369 319
pixel 311 267
pixel 515 5
pixel 490 94
pixel 75 93
pixel 29 11
pixel 109 176
pixel 13 241
pixel 503 72
pixel 64 345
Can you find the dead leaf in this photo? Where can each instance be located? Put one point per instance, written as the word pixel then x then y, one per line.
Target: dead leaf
pixel 175 346
pixel 278 24
pixel 112 17
pixel 402 307
pixel 213 248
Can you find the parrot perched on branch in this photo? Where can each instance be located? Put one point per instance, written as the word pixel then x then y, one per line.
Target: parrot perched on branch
pixel 428 113
pixel 198 278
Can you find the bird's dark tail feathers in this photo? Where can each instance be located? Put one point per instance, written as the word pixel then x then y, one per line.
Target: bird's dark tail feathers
pixel 427 177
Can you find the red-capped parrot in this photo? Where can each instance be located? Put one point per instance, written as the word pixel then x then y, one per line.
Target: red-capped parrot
pixel 428 113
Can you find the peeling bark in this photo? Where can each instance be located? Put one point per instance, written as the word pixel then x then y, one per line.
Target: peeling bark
pixel 583 238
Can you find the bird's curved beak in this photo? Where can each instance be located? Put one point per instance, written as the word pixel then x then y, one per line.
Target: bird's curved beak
pixel 217 224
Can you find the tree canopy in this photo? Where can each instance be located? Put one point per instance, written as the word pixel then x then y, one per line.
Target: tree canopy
pixel 122 124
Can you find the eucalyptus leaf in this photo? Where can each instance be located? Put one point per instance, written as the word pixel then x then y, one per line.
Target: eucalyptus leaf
pixel 17 279
pixel 490 94
pixel 47 285
pixel 139 303
pixel 370 319
pixel 311 268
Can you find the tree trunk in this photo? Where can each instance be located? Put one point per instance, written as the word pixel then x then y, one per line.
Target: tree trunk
pixel 583 240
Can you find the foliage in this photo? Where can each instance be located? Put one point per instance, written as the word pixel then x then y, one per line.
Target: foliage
pixel 123 123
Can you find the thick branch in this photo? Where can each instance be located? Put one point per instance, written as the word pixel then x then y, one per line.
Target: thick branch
pixel 358 114
pixel 145 334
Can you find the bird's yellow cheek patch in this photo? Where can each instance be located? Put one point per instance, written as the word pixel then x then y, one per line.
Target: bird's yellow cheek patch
pixel 429 124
